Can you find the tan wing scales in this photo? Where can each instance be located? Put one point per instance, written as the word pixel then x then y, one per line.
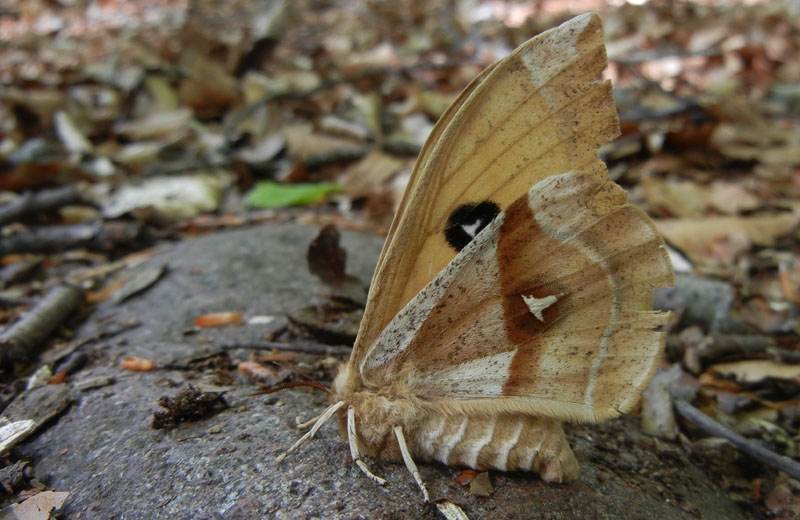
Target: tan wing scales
pixel 541 314
pixel 536 113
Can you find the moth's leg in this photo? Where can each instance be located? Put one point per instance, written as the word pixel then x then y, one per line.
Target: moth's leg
pixel 401 441
pixel 306 424
pixel 317 425
pixel 351 439
pixel 451 511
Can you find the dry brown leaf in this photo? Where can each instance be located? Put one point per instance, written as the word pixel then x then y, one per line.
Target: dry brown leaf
pixel 158 125
pixel 304 143
pixel 481 485
pixel 342 127
pixel 371 174
pixel 350 62
pixel 93 297
pixel 720 240
pixel 137 364
pixel 731 199
pixel 770 144
pixel 38 507
pixel 689 199
pixel 783 501
pixel 755 370
pixel 218 319
pixel 466 476
pixel 255 370
pixel 209 89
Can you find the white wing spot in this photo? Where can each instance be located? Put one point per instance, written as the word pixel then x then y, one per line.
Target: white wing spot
pixel 472 229
pixel 537 305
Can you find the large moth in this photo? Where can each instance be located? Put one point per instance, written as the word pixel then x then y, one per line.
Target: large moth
pixel 514 289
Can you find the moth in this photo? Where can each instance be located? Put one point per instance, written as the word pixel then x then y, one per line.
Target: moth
pixel 513 292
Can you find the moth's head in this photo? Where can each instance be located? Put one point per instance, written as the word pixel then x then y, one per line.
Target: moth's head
pixel 346 383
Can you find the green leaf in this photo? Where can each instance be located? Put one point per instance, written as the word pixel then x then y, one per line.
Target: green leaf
pixel 269 194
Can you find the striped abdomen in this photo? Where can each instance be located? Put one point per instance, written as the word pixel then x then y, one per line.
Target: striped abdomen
pixel 506 442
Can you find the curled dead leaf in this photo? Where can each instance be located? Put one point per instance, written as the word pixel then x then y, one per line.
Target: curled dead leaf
pixel 218 319
pixel 755 370
pixel 138 364
pixel 254 369
pixel 466 476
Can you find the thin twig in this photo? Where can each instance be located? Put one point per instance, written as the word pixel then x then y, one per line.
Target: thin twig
pixel 31 203
pixel 21 341
pixel 308 348
pixel 709 425
pixel 782 355
pixel 735 346
pixel 100 236
pixel 745 346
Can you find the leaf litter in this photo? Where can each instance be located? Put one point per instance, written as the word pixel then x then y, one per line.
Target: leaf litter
pixel 178 122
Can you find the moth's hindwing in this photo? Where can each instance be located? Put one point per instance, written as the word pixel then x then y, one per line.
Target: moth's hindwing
pixel 541 313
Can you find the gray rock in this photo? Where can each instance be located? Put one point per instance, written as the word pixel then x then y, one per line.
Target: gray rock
pixel 105 453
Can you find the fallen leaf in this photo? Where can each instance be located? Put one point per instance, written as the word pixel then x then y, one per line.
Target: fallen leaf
pixel 326 259
pixel 138 364
pixel 783 501
pixel 255 370
pixel 371 174
pixel 209 89
pixel 753 371
pixel 14 432
pixel 269 194
pixel 466 476
pixel 690 200
pixel 38 507
pixel 263 150
pixel 70 135
pixel 139 280
pixel 93 297
pixel 218 319
pixel 58 378
pixel 481 485
pixel 303 143
pixel 720 240
pixel 173 197
pixel 157 126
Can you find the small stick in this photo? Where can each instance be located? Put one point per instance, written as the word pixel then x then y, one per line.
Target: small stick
pixel 15 476
pixel 21 341
pixel 104 236
pixel 714 428
pixel 735 346
pixel 308 348
pixel 29 203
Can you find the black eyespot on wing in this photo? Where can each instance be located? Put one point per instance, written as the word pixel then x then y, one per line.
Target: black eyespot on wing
pixel 467 221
